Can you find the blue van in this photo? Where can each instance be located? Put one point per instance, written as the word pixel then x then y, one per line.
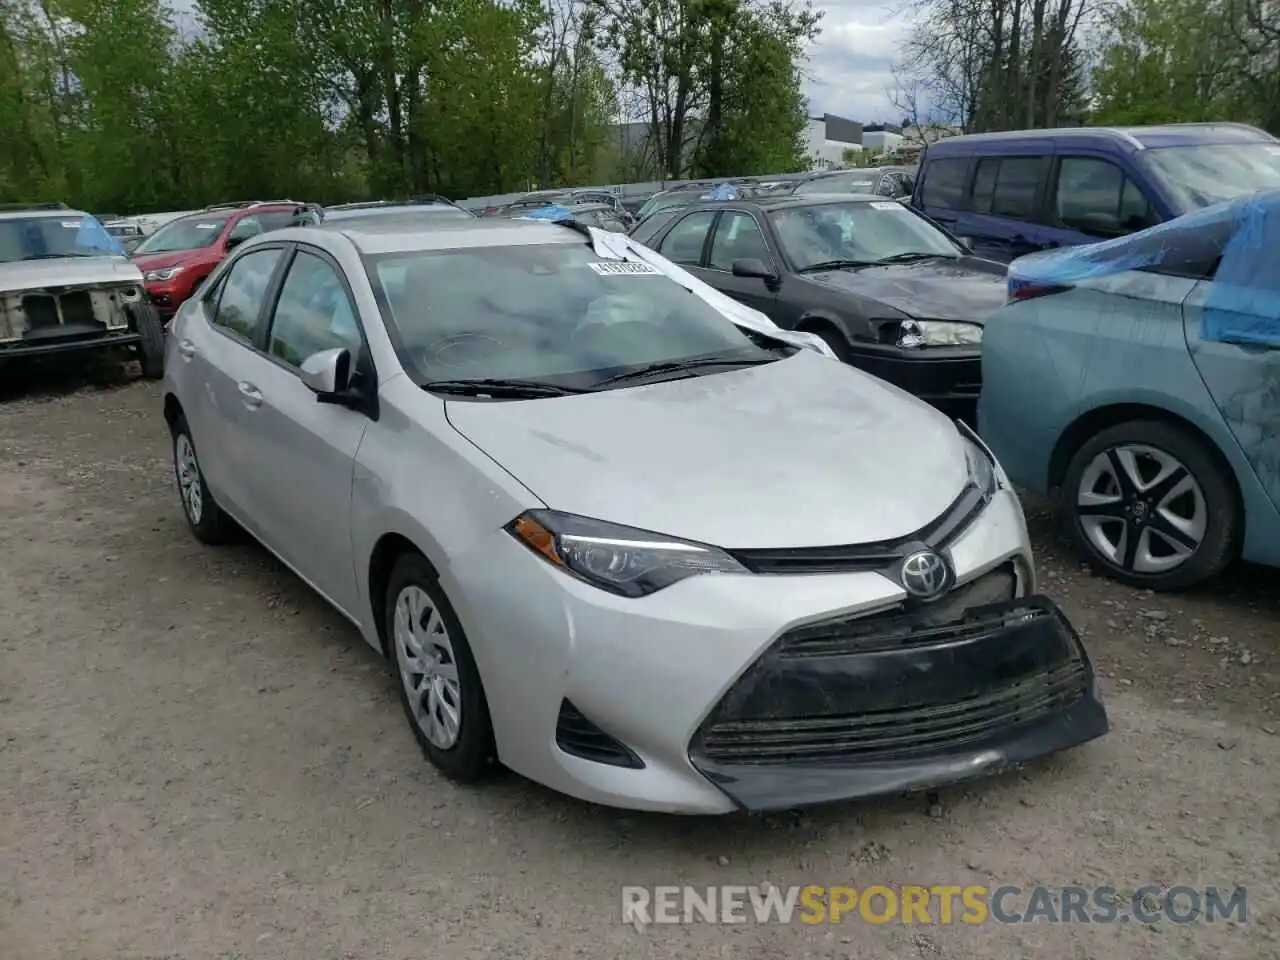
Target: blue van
pixel 1013 193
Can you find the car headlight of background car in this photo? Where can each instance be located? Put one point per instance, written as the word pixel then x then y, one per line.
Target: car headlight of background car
pixel 939 333
pixel 982 469
pixel 162 274
pixel 621 560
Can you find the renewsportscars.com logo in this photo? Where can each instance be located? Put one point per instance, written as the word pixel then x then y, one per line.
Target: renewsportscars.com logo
pixel 938 904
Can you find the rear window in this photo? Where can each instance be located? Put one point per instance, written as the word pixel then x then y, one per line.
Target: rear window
pixel 944 183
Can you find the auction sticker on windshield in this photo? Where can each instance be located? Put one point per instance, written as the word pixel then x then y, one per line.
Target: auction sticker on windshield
pixel 207 226
pixel 625 268
pixel 886 205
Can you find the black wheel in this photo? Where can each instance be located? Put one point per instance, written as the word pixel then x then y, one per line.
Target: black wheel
pixel 204 516
pixel 1151 505
pixel 836 341
pixel 146 321
pixel 436 674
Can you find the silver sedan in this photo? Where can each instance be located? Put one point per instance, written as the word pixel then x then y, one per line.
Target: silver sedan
pixel 612 529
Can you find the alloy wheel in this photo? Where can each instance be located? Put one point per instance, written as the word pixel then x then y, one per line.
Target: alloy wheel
pixel 428 667
pixel 188 469
pixel 1141 509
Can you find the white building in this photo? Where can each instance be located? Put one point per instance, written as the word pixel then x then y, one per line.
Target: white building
pixel 882 137
pixel 828 137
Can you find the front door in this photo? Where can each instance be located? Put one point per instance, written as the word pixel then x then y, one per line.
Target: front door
pixel 1237 353
pixel 738 236
pixel 303 452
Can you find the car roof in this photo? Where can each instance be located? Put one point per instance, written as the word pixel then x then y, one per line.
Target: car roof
pixel 41 214
pixel 396 235
pixel 1134 138
pixel 789 201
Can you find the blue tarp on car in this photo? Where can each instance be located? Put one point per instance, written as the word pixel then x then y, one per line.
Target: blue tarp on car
pixel 1236 243
pixel 552 211
pixel 721 191
pixel 93 236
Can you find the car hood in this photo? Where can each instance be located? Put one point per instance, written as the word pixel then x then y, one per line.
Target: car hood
pixel 800 452
pixel 66 272
pixel 966 289
pixel 158 261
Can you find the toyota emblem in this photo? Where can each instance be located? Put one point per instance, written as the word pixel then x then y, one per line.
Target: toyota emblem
pixel 925 575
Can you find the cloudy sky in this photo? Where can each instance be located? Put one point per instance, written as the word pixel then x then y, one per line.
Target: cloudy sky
pixel 849 70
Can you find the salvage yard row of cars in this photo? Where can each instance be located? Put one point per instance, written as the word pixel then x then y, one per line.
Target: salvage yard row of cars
pixel 727 465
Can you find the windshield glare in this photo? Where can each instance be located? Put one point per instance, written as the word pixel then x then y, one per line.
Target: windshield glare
pixel 194 233
pixel 864 232
pixel 556 313
pixel 859 181
pixel 1196 177
pixel 67 234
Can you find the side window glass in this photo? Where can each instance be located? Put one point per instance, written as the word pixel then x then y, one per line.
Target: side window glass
pixel 1095 197
pixel 944 183
pixel 245 228
pixel 684 243
pixel 313 313
pixel 984 185
pixel 1018 187
pixel 738 237
pixel 243 289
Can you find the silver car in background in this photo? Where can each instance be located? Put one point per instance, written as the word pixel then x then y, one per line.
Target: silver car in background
pixel 613 530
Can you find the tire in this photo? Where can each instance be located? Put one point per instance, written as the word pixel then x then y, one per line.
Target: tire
pixel 205 518
pixel 836 341
pixel 465 753
pixel 146 321
pixel 1106 505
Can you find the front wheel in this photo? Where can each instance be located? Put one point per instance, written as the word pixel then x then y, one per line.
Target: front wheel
pixel 439 683
pixel 147 323
pixel 1152 506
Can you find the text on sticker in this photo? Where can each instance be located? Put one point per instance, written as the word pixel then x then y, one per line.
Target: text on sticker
pixel 207 226
pixel 624 268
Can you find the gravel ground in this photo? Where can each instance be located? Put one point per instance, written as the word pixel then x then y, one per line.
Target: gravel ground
pixel 200 760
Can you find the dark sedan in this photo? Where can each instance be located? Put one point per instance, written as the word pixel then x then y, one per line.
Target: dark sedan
pixel 890 292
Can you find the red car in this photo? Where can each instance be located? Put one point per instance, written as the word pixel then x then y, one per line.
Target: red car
pixel 177 257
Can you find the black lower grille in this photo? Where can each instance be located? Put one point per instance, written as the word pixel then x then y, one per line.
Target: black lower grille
pixel 41 311
pixel 896 629
pixel 579 737
pixel 896 734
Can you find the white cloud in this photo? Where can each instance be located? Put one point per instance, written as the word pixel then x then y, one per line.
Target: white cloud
pixel 850 68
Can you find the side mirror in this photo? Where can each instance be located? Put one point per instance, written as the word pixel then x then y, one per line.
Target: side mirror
pixel 233 241
pixel 753 267
pixel 327 374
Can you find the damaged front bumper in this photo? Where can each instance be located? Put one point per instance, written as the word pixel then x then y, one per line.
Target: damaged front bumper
pixel 68 319
pixel 880 705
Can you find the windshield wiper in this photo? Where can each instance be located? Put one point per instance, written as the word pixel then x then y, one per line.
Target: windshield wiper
pixel 912 256
pixel 677 366
pixel 509 388
pixel 55 256
pixel 835 265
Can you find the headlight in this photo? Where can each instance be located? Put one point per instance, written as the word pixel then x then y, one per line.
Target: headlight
pixel 164 273
pixel 622 560
pixel 982 470
pixel 939 333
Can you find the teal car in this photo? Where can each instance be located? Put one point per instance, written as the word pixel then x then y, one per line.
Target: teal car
pixel 1138 380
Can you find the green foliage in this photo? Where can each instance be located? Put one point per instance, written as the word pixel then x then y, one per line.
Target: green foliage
pixel 108 105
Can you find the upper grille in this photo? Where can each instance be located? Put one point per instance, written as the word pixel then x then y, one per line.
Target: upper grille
pixel 857 557
pixel 897 629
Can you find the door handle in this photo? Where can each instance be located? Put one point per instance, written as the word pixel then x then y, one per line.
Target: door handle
pixel 250 394
pixel 187 349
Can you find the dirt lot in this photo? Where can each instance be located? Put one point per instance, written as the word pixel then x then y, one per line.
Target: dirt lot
pixel 199 760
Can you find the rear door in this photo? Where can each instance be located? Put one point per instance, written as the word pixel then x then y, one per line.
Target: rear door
pixel 1004 216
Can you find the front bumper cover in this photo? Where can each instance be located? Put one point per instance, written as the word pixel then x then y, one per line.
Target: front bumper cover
pixel 886 704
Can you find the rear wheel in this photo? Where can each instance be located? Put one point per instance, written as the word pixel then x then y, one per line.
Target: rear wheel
pixel 146 321
pixel 204 516
pixel 1152 506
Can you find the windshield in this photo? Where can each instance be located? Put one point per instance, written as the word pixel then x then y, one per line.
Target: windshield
pixel 862 232
pixel 67 234
pixel 556 313
pixel 193 233
pixel 1196 177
